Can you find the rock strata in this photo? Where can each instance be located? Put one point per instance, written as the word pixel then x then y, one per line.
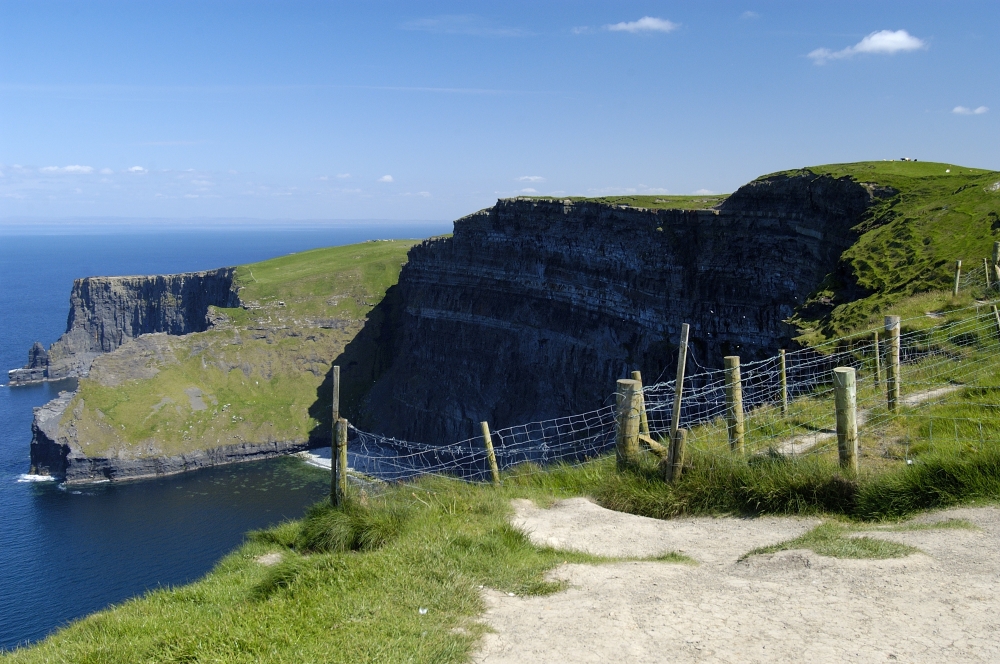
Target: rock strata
pixel 107 311
pixel 533 309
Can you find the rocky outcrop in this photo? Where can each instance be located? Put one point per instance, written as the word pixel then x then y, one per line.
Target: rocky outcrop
pixel 107 311
pixel 532 308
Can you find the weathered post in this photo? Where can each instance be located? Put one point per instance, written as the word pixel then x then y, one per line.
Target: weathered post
pixel 892 378
pixel 878 362
pixel 629 403
pixel 986 270
pixel 958 278
pixel 846 399
pixel 336 393
pixel 734 403
pixel 996 264
pixel 996 317
pixel 682 354
pixel 674 463
pixel 494 470
pixel 784 382
pixel 338 463
pixel 643 421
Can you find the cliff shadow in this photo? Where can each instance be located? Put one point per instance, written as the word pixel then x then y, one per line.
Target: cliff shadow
pixel 364 360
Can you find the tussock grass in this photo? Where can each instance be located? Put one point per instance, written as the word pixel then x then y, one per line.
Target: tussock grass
pixel 835 540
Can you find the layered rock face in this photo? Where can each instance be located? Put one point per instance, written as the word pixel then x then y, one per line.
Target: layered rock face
pixel 533 309
pixel 107 311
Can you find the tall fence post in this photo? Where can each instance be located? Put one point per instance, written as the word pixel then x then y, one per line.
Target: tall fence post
pixel 996 317
pixel 338 463
pixel 629 403
pixel 986 271
pixel 734 403
pixel 878 362
pixel 784 382
pixel 996 264
pixel 682 353
pixel 892 378
pixel 643 420
pixel 488 441
pixel 958 278
pixel 336 393
pixel 674 465
pixel 845 393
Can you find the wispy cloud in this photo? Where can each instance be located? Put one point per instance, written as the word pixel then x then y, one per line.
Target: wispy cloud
pixel 75 169
pixel 137 169
pixel 887 42
pixel 106 171
pixel 748 15
pixel 644 24
pixel 531 178
pixel 703 192
pixel 529 190
pixel 343 176
pixel 385 178
pixel 463 24
pixel 962 110
pixel 582 30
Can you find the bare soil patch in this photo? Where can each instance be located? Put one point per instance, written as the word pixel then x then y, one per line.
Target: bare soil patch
pixel 939 605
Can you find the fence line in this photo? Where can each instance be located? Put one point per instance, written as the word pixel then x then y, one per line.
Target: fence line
pixel 937 361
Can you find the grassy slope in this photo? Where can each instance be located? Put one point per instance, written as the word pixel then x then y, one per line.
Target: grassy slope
pixel 696 202
pixel 909 243
pixel 258 373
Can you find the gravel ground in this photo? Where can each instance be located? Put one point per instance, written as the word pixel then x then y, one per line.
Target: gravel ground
pixel 793 606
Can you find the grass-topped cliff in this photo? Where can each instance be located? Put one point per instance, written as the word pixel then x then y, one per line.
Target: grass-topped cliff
pixel 251 378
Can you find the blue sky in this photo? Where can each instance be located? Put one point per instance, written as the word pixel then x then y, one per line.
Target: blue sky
pixel 432 110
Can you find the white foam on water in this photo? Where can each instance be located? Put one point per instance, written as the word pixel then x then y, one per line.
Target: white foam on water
pixel 319 458
pixel 27 477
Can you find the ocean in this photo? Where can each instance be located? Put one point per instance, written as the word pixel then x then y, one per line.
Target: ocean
pixel 65 553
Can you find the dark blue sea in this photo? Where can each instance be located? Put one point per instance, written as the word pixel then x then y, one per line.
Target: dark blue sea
pixel 66 553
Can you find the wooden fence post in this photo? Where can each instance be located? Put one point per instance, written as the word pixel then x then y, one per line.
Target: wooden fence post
pixel 986 270
pixel 892 378
pixel 682 354
pixel 846 400
pixel 643 421
pixel 996 317
pixel 734 403
pixel 784 382
pixel 996 264
pixel 338 463
pixel 494 470
pixel 674 463
pixel 336 393
pixel 878 362
pixel 629 403
pixel 958 278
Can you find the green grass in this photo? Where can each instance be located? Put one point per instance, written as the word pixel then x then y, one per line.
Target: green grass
pixel 661 202
pixel 258 373
pixel 837 541
pixel 351 584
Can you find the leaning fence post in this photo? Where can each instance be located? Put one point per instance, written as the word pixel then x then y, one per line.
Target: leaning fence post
pixel 734 403
pixel 892 378
pixel 643 421
pixel 338 463
pixel 845 393
pixel 878 362
pixel 674 463
pixel 958 278
pixel 629 402
pixel 986 270
pixel 494 470
pixel 784 382
pixel 996 317
pixel 996 264
pixel 682 353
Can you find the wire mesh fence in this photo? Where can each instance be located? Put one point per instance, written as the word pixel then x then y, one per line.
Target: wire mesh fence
pixel 939 357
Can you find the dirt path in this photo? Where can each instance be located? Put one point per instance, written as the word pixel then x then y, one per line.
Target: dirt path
pixel 806 442
pixel 793 606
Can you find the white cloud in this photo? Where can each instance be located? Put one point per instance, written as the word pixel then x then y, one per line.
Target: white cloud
pixel 703 192
pixel 385 178
pixel 582 30
pixel 463 24
pixel 529 190
pixel 749 15
pixel 882 42
pixel 644 24
pixel 74 169
pixel 137 169
pixel 962 110
pixel 425 194
pixel 531 178
pixel 106 171
pixel 343 176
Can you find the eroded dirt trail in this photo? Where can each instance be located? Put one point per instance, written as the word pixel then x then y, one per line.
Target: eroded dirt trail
pixel 941 605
